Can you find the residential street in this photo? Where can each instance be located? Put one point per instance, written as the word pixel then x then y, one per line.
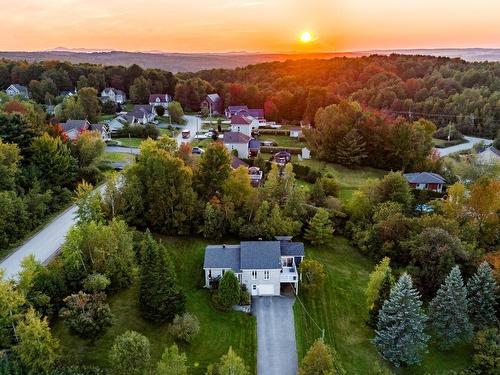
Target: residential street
pixel 464 146
pixel 276 347
pixel 193 124
pixel 122 150
pixel 44 244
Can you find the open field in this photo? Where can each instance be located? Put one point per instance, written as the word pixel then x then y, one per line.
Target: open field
pixel 130 142
pixel 282 140
pixel 118 156
pixel 340 309
pixel 218 330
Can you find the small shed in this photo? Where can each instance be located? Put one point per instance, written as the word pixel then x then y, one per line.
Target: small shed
pixel 306 153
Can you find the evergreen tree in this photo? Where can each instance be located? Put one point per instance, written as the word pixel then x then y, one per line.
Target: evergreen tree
pixel 130 354
pixel 318 194
pixel 351 150
pixel 172 362
pixel 36 349
pixel 232 364
pixel 448 311
pixel 229 289
pixel 160 297
pixel 383 295
pixel 320 228
pixel 320 359
pixel 213 220
pixel 400 336
pixel 481 293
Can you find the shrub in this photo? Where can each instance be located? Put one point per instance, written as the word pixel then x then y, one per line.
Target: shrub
pixel 95 283
pixel 185 327
pixel 330 186
pixel 130 354
pixel 229 290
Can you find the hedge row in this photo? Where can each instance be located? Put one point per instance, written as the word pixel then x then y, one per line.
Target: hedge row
pixel 275 149
pixel 138 131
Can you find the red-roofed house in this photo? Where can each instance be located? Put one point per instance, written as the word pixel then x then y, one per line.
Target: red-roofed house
pixel 159 100
pixel 244 124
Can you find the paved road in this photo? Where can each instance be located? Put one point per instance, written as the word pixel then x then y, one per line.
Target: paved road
pixel 193 124
pixel 276 347
pixel 464 146
pixel 44 245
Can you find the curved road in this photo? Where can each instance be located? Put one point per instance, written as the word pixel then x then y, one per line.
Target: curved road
pixel 46 243
pixel 463 146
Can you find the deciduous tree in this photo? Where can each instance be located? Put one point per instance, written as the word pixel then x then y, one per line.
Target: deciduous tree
pixel 313 275
pixel 321 359
pixel 130 354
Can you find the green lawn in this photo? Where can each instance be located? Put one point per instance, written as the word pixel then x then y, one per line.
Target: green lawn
pixel 130 142
pixel 172 133
pixel 340 309
pixel 218 330
pixel 118 156
pixel 282 140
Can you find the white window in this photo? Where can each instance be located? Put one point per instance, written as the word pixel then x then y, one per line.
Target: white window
pixel 266 275
pixel 254 287
pixel 254 275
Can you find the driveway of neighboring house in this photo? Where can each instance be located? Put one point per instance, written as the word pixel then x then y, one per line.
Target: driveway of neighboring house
pixel 471 141
pixel 276 348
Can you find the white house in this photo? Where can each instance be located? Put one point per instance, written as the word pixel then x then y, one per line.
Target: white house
pixel 116 124
pixel 237 141
pixel 296 133
pixel 489 156
pixel 73 129
pixel 264 267
pixel 141 114
pixel 244 124
pixel 159 100
pixel 115 95
pixel 17 90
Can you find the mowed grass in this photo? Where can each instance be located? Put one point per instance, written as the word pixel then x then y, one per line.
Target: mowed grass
pixel 218 330
pixel 340 309
pixel 118 156
pixel 130 142
pixel 282 140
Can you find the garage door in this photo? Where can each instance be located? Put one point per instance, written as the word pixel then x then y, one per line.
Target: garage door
pixel 266 290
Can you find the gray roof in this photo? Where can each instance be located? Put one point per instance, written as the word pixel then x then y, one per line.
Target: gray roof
pixel 235 137
pixel 22 89
pixel 214 98
pixel 424 178
pixel 260 255
pixel 251 255
pixel 292 248
pixel 237 162
pixel 107 90
pixel 222 256
pixel 492 149
pixel 74 124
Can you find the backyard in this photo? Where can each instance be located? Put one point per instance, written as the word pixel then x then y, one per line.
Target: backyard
pixel 340 309
pixel 218 330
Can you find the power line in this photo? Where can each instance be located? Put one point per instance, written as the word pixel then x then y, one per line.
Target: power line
pixel 309 315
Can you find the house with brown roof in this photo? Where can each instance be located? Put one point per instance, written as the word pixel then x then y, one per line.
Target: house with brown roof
pixel 161 100
pixel 244 124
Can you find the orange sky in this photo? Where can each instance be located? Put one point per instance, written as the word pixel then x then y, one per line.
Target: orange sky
pixel 248 25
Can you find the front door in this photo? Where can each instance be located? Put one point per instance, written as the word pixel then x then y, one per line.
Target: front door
pixel 254 290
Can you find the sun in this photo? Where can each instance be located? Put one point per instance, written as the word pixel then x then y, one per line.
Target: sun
pixel 306 37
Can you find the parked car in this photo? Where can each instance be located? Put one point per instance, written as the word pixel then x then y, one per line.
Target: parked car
pixel 197 150
pixel 186 134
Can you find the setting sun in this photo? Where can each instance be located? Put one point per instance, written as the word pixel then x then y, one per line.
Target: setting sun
pixel 306 37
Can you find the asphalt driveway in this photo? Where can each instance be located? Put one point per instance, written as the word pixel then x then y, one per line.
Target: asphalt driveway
pixel 276 348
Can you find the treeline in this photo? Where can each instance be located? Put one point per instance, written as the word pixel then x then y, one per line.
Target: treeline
pixel 47 79
pixel 39 168
pixel 440 89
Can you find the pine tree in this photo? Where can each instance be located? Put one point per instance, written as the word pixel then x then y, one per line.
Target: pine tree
pixel 229 289
pixel 320 228
pixel 160 297
pixel 321 359
pixel 481 293
pixel 172 362
pixel 383 295
pixel 400 336
pixel 448 311
pixel 351 148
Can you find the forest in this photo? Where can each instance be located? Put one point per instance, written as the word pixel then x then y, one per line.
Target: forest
pixel 439 89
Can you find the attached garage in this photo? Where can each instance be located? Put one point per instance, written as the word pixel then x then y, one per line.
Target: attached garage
pixel 266 290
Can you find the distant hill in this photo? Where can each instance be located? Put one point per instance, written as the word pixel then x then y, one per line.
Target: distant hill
pixel 192 62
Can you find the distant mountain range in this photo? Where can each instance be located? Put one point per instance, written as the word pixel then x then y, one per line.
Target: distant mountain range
pixel 192 62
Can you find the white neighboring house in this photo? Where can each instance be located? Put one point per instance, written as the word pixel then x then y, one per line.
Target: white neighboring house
pixel 141 114
pixel 262 266
pixel 237 141
pixel 115 95
pixel 116 124
pixel 489 156
pixel 244 124
pixel 296 132
pixel 17 90
pixel 73 129
pixel 159 100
